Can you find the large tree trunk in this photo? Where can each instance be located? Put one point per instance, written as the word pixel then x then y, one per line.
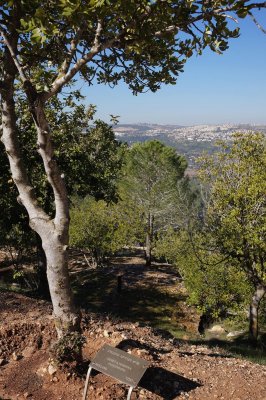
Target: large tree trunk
pixel 53 232
pixel 149 239
pixel 258 294
pixel 65 315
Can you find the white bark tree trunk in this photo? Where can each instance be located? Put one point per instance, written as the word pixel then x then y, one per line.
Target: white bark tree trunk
pixel 258 295
pixel 65 316
pixel 53 232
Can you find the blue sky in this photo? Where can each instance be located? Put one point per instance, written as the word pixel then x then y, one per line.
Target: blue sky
pixel 213 89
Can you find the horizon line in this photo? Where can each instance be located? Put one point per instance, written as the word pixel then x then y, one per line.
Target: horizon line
pixel 195 124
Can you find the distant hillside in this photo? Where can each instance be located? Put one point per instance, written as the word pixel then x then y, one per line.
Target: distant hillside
pixel 190 141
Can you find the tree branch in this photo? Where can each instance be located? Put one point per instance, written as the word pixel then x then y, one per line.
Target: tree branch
pixel 73 47
pixel 45 148
pixel 97 47
pixel 12 52
pixel 97 37
pixel 256 22
pixel 10 140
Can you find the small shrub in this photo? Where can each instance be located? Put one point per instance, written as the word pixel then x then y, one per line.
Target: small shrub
pixel 68 348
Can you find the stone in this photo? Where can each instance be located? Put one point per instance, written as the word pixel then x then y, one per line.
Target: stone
pixel 41 371
pixel 202 349
pixel 52 369
pixel 106 333
pixel 28 351
pixel 216 329
pixel 2 361
pixel 234 334
pixel 15 356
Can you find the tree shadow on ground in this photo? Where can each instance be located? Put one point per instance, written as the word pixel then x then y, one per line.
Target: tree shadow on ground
pixel 97 291
pixel 241 346
pixel 144 300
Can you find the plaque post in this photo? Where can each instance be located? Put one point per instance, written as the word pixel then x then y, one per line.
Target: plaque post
pixel 117 364
pixel 129 392
pixel 87 383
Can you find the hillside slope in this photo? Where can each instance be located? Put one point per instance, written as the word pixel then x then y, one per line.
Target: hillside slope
pixel 177 370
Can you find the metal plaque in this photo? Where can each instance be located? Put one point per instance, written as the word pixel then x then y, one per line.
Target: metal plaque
pixel 120 365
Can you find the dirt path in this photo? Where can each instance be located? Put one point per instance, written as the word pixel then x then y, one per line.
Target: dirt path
pixel 152 295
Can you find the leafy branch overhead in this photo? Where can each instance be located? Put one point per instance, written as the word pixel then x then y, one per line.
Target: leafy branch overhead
pixel 144 43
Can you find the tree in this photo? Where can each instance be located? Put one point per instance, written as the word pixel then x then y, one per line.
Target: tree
pixel 215 284
pixel 88 155
pixel 45 44
pixel 93 227
pixel 102 228
pixel 236 211
pixel 150 178
pixel 86 151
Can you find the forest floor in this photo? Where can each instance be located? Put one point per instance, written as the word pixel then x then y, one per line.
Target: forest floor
pixel 178 368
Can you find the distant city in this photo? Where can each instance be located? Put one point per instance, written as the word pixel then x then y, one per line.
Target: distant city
pixel 190 141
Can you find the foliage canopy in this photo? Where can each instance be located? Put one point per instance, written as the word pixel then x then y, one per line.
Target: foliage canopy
pixel 144 43
pixel 236 211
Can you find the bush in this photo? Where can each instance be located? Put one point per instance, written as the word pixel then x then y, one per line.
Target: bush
pixel 68 348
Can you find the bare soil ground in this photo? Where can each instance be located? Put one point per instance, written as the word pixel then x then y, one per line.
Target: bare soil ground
pixel 178 370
